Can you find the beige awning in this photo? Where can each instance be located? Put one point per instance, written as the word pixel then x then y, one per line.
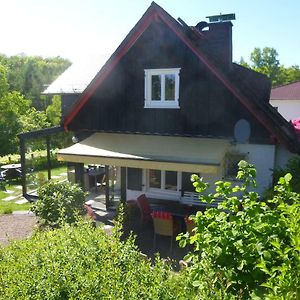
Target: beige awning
pixel 148 152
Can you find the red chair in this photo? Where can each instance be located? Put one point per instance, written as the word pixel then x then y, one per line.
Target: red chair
pixel 163 224
pixel 145 208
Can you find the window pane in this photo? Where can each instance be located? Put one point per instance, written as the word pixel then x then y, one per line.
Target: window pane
pixel 134 179
pixel 170 87
pixel 156 87
pixel 171 180
pixel 155 179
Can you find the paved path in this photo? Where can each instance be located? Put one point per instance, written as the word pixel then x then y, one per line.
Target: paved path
pixel 16 226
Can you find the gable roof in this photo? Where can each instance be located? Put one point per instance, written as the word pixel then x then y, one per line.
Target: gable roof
pixel 289 91
pixel 193 39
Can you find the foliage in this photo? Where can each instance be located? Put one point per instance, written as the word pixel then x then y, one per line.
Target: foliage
pixel 246 247
pixel 80 262
pixel 33 120
pixel 293 167
pixel 22 108
pixel 266 62
pixel 7 207
pixel 30 74
pixel 12 106
pixel 59 203
pixel 53 111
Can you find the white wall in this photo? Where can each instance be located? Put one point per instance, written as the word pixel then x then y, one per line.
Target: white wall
pixel 282 157
pixel 289 109
pixel 262 156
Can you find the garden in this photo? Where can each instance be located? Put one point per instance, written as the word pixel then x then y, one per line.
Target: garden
pixel 246 248
pixel 36 165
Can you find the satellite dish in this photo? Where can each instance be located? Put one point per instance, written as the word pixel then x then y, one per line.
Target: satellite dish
pixel 242 131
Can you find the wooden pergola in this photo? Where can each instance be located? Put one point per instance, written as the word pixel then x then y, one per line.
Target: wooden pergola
pixel 24 137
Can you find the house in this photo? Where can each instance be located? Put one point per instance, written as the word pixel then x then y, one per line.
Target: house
pixel 170 102
pixel 286 98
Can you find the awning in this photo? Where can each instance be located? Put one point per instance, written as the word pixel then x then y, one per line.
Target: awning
pixel 185 154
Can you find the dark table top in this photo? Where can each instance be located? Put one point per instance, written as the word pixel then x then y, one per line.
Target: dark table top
pixel 174 207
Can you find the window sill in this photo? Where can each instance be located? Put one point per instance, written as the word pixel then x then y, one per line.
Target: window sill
pixel 162 105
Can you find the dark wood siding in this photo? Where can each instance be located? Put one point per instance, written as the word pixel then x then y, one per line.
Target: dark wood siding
pixel 207 108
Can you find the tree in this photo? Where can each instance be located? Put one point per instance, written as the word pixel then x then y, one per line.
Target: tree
pixel 53 111
pixel 266 62
pixel 30 74
pixel 12 106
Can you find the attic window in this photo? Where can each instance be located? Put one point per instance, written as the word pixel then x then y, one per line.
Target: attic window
pixel 162 88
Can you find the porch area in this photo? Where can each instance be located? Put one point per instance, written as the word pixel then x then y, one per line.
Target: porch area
pixel 140 220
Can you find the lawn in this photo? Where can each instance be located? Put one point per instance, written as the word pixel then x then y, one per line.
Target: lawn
pixel 13 193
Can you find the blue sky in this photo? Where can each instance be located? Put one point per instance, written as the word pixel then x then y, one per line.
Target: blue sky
pixel 77 28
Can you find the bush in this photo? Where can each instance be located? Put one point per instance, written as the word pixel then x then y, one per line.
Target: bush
pixel 80 262
pixel 246 247
pixel 293 167
pixel 59 203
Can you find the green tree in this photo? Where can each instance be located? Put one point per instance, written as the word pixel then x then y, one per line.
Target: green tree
pixel 53 111
pixel 30 74
pixel 12 106
pixel 266 61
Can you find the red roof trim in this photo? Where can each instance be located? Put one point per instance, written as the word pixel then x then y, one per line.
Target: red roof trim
pixel 222 78
pixel 153 12
pixel 107 69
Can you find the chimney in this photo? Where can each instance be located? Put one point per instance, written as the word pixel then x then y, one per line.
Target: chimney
pixel 218 35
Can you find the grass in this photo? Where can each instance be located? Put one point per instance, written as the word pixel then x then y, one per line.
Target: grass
pixel 7 207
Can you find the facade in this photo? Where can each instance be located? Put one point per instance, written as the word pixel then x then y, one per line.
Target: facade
pixel 286 99
pixel 170 102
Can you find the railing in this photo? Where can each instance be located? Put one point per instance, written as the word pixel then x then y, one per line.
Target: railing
pixel 191 198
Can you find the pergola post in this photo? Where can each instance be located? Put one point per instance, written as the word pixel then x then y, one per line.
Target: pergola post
pixel 123 184
pixel 48 157
pixel 107 187
pixel 23 169
pixel 79 172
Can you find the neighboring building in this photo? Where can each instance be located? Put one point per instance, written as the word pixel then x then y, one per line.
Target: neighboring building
pixel 170 102
pixel 286 99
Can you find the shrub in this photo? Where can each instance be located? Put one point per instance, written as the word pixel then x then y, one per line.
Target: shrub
pixel 59 202
pixel 293 167
pixel 80 262
pixel 246 247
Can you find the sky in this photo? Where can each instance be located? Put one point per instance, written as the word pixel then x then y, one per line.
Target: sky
pixel 76 29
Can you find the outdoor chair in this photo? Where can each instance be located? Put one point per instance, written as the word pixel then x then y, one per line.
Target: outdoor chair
pixel 145 208
pixel 163 225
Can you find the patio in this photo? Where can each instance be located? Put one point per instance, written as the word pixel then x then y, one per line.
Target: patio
pixel 144 231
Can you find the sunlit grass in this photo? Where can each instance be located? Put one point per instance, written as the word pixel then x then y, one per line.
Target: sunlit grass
pixel 15 190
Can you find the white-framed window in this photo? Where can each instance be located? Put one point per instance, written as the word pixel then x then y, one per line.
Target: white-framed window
pixel 162 88
pixel 160 180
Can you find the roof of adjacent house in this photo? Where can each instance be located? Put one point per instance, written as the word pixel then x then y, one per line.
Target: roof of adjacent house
pixel 77 77
pixel 289 91
pixel 250 88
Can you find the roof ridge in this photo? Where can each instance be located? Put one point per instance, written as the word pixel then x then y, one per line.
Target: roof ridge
pixel 282 85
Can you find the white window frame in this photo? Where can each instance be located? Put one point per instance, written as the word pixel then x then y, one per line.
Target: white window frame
pixel 162 188
pixel 149 103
